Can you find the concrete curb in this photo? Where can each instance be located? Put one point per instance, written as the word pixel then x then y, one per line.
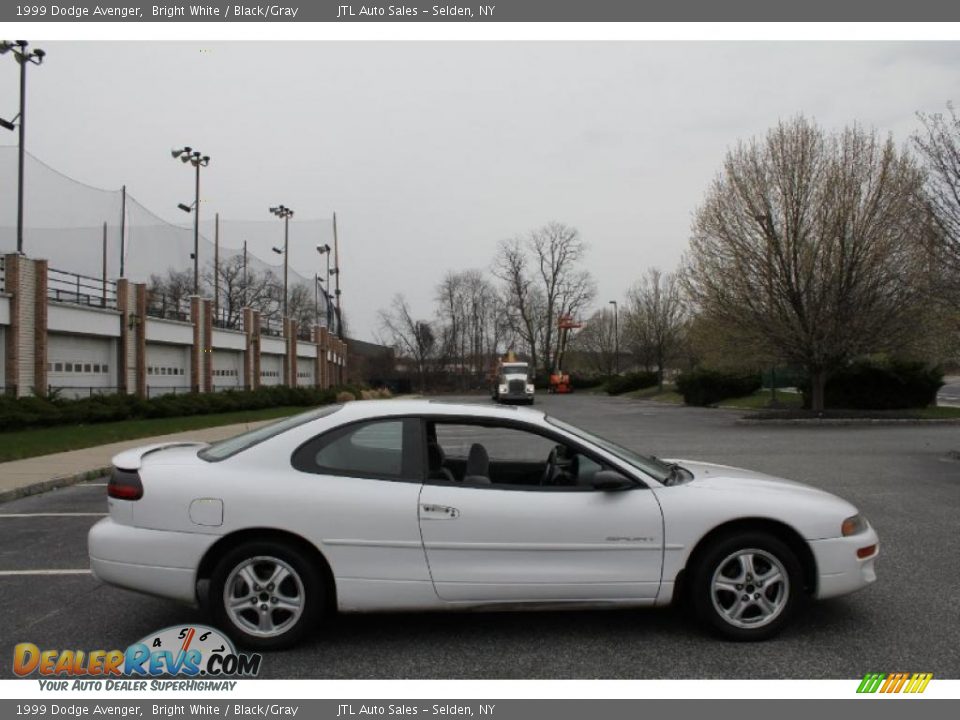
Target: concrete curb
pixel 46 485
pixel 849 421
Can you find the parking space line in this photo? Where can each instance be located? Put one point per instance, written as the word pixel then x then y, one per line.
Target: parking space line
pixel 52 514
pixel 45 572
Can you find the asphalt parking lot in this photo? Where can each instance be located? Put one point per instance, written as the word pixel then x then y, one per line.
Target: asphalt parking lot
pixel 901 477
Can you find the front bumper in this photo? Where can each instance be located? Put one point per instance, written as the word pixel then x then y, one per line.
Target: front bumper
pixel 157 562
pixel 839 570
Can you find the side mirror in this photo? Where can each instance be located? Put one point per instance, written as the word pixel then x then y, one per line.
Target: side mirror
pixel 611 481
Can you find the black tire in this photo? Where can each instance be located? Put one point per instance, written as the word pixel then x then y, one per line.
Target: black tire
pixel 750 595
pixel 303 581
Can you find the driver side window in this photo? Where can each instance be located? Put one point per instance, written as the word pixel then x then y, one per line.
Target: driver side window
pixel 504 457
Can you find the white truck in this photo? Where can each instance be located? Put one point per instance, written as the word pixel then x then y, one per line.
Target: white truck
pixel 512 383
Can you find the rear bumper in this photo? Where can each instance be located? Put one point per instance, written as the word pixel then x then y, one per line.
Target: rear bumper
pixel 839 570
pixel 156 562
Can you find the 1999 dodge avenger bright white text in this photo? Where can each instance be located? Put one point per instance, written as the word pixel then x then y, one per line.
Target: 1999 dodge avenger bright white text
pixel 417 505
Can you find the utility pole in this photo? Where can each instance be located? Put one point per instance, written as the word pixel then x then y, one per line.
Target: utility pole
pixel 336 265
pixel 123 228
pixel 22 56
pixel 103 302
pixel 616 335
pixel 216 266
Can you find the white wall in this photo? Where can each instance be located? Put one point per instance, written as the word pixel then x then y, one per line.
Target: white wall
pixel 63 317
pixel 4 310
pixel 169 331
pixel 82 362
pixel 3 362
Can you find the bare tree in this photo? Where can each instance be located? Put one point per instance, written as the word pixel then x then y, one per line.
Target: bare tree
pixel 656 318
pixel 524 304
pixel 411 338
pixel 596 343
pixel 542 282
pixel 807 241
pixel 471 325
pixel 939 144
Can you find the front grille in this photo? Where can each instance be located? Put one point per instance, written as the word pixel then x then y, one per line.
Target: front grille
pixel 517 386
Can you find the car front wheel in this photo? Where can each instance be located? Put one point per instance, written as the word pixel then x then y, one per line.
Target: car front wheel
pixel 747 586
pixel 266 595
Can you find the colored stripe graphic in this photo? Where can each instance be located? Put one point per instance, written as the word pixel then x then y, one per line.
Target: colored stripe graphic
pixel 894 683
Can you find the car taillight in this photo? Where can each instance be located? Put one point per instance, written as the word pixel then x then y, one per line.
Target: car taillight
pixel 125 485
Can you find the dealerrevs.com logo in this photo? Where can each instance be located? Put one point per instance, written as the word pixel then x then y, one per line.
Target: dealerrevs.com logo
pixel 191 651
pixel 910 683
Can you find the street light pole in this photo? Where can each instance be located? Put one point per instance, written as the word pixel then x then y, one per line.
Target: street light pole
pixel 325 250
pixel 194 157
pixel 284 213
pixel 616 335
pixel 22 56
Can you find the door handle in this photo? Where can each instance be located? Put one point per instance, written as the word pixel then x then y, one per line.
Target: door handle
pixel 438 512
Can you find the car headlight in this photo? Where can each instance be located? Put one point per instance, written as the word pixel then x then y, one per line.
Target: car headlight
pixel 530 388
pixel 503 388
pixel 854 525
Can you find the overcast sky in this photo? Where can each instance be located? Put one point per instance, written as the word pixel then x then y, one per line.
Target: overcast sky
pixel 430 153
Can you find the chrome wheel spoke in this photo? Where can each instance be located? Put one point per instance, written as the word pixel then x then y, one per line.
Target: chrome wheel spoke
pixel 726 586
pixel 771 578
pixel 266 621
pixel 291 604
pixel 280 573
pixel 766 606
pixel 240 602
pixel 246 574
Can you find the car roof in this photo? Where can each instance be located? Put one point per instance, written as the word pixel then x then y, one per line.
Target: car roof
pixel 402 406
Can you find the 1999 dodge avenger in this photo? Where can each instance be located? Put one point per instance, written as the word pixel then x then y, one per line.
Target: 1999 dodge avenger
pixel 417 505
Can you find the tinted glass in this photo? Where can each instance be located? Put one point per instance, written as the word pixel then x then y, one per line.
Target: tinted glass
pixel 373 449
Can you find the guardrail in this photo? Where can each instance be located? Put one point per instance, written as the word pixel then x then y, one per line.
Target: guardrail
pixel 161 306
pixel 68 287
pixel 266 328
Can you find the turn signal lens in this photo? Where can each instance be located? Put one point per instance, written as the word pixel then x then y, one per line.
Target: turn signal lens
pixel 853 525
pixel 866 552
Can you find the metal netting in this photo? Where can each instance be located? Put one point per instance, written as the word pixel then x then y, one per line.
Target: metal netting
pixel 64 223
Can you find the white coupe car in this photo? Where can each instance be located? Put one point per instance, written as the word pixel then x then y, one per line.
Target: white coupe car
pixel 418 505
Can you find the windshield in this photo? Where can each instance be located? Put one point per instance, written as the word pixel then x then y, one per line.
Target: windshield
pixel 658 470
pixel 238 443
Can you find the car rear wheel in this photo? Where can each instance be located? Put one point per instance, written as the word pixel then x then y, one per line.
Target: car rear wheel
pixel 747 586
pixel 266 595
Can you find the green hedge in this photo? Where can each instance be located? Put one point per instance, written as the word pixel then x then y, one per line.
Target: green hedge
pixel 880 385
pixel 707 387
pixel 628 382
pixel 32 412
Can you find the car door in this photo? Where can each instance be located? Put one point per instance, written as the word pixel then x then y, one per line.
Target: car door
pixel 511 537
pixel 361 484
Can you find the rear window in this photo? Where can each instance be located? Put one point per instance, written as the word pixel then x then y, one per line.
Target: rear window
pixel 238 443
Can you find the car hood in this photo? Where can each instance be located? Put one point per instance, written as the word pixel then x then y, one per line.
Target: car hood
pixel 726 477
